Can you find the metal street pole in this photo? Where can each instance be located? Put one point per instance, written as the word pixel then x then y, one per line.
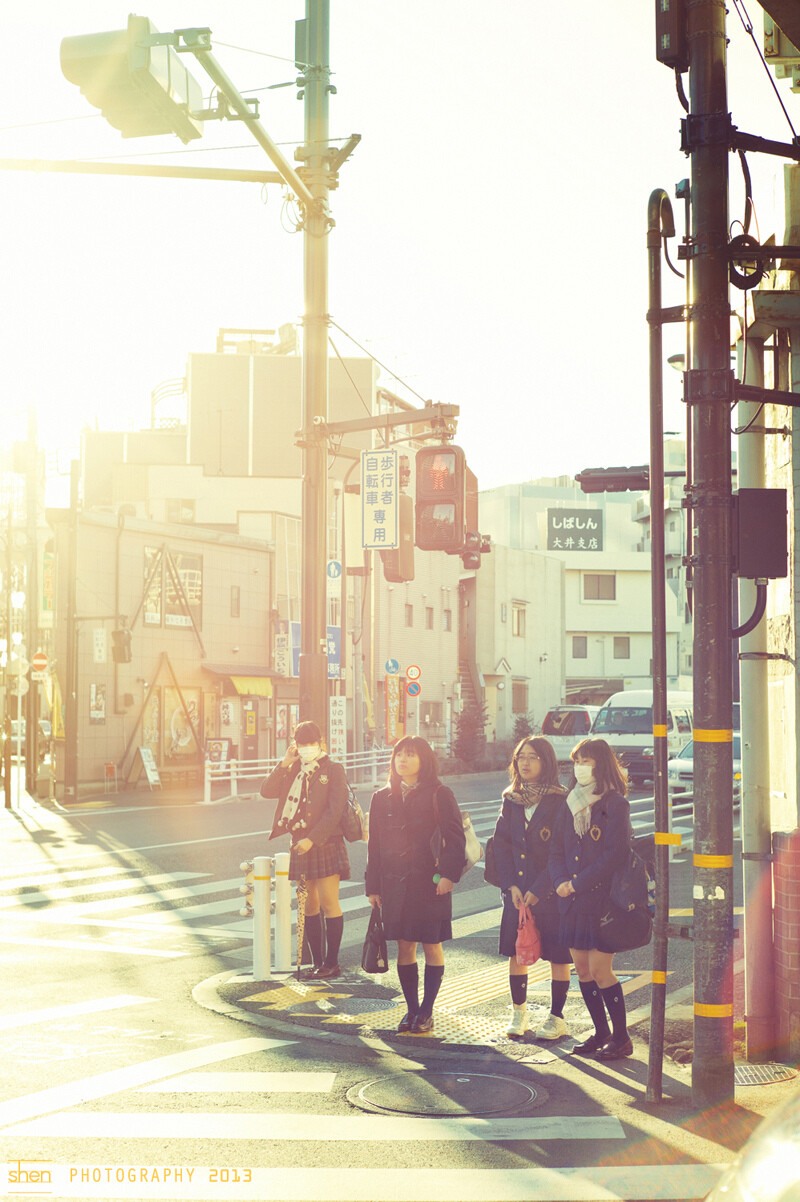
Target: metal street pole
pixel 709 392
pixel 660 223
pixel 71 672
pixel 313 681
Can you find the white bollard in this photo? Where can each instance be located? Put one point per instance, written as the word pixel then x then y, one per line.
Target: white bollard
pixel 207 782
pixel 234 779
pixel 283 914
pixel 262 887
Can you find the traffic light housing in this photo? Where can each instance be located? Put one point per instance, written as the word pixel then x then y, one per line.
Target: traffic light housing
pixel 121 646
pixel 398 562
pixel 140 89
pixel 441 523
pixel 614 479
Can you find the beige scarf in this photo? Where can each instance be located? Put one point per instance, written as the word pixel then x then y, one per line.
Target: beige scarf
pixel 580 802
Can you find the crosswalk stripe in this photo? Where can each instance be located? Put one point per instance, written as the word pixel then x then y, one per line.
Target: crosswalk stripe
pixel 42 894
pixel 349 1128
pixel 245 1082
pixel 73 1010
pixel 75 945
pixel 89 1089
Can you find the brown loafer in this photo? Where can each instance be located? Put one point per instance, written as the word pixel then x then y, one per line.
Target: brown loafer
pixel 422 1024
pixel 327 970
pixel 405 1024
pixel 615 1049
pixel 590 1046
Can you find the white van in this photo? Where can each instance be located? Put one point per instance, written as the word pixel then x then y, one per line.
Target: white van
pixel 626 723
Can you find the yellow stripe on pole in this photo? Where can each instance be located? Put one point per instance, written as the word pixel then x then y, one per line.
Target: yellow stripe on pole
pixel 659 978
pixel 703 1010
pixel 713 861
pixel 712 736
pixel 660 732
pixel 668 837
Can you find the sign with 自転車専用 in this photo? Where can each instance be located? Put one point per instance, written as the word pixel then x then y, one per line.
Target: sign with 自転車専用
pixel 574 530
pixel 380 490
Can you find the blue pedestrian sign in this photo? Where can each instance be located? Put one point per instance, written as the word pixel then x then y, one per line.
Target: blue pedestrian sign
pixel 334 569
pixel 392 667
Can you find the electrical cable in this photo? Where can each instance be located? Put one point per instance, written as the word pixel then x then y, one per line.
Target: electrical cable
pixel 681 91
pixel 748 194
pixel 350 378
pixel 376 360
pixel 757 614
pixel 670 265
pixel 748 28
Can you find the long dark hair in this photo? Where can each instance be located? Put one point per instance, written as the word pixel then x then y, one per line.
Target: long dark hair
pixel 428 764
pixel 548 774
pixel 608 771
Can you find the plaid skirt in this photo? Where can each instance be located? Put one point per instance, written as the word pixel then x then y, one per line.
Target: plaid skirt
pixel 324 859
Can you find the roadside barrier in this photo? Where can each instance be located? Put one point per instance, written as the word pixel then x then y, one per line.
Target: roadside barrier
pixel 362 767
pixel 261 874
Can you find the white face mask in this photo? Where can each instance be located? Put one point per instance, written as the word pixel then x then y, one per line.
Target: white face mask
pixel 309 752
pixel 584 774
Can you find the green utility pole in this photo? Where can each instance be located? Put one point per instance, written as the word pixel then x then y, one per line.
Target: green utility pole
pixel 709 392
pixel 312 54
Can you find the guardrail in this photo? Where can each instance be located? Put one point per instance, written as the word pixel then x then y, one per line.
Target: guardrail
pixel 362 767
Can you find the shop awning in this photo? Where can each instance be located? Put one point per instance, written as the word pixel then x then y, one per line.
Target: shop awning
pixel 252 686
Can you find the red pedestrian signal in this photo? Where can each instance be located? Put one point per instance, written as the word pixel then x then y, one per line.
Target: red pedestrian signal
pixel 441 498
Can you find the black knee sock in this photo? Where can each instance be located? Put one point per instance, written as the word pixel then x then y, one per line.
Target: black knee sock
pixel 313 933
pixel 518 984
pixel 409 983
pixel 333 934
pixel 594 1004
pixel 614 999
pixel 433 979
pixel 558 995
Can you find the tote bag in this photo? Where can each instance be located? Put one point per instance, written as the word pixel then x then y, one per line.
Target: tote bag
pixel 472 848
pixel 374 955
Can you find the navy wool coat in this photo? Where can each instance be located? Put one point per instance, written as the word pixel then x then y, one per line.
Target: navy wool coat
pixel 327 798
pixel 590 862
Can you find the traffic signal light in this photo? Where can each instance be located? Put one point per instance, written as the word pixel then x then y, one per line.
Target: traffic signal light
pixel 441 498
pixel 398 562
pixel 121 649
pixel 140 89
pixel 614 479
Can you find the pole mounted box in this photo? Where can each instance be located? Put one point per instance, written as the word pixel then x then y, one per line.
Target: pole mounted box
pixel 671 42
pixel 614 479
pixel 141 89
pixel 760 534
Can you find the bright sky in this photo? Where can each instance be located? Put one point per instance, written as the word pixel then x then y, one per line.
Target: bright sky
pixel 490 237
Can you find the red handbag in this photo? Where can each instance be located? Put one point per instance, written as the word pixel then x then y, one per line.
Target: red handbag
pixel 529 943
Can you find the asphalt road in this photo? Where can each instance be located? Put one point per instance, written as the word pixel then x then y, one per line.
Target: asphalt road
pixel 117 1083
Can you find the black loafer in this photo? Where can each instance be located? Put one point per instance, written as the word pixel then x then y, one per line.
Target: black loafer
pixel 405 1024
pixel 615 1049
pixel 327 970
pixel 591 1046
pixel 422 1024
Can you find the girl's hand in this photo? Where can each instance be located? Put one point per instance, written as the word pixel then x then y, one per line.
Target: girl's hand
pixel 291 756
pixel 303 846
pixel 565 889
pixel 374 900
pixel 444 886
pixel 530 899
pixel 516 896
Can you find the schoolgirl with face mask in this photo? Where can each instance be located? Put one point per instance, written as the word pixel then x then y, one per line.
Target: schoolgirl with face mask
pixel 591 840
pixel 312 792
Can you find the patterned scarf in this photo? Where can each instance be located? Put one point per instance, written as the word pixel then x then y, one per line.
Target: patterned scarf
pixel 291 820
pixel 530 794
pixel 580 802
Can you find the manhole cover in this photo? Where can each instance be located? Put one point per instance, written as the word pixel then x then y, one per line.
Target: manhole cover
pixel 762 1074
pixel 443 1094
pixel 362 1005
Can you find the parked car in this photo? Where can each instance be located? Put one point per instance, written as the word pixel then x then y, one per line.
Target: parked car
pixel 680 769
pixel 768 1167
pixel 566 725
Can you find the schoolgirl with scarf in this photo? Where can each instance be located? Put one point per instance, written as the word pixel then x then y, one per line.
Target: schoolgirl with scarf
pixel 591 840
pixel 312 792
pixel 522 844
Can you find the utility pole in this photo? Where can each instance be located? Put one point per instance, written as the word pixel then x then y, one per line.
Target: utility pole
pixel 71 676
pixel 312 45
pixel 32 602
pixel 709 392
